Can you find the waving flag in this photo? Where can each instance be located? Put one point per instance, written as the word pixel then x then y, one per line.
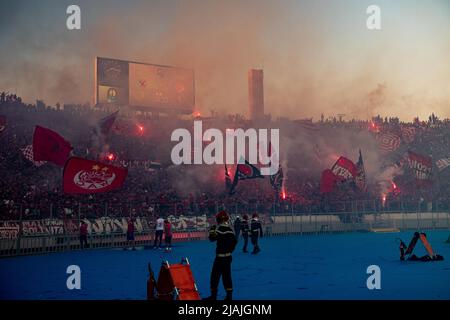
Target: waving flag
pixel 276 180
pixel 50 146
pixel 29 155
pixel 344 169
pixel 105 124
pixel 328 181
pixel 421 166
pixel 83 176
pixel 360 179
pixel 388 142
pixel 245 171
pixel 443 163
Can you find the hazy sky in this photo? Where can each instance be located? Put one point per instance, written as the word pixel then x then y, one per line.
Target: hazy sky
pixel 318 56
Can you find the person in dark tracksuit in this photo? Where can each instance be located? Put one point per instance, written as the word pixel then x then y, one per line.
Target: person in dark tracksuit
pixel 226 242
pixel 245 228
pixel 237 227
pixel 255 233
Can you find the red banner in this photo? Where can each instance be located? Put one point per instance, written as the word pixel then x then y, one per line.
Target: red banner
pixel 344 169
pixel 328 181
pixel 87 176
pixel 50 146
pixel 421 166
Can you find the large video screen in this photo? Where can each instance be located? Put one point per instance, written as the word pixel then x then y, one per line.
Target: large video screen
pixel 144 85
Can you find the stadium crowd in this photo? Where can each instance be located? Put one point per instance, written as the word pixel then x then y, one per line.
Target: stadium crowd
pixel 140 140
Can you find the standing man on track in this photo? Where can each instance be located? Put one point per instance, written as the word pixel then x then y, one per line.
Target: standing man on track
pixel 245 228
pixel 159 232
pixel 226 241
pixel 256 232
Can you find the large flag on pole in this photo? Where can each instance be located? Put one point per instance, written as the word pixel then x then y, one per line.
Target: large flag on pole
pixel 50 146
pixel 245 171
pixel 82 176
pixel 360 179
pixel 344 169
pixel 276 180
pixel 421 166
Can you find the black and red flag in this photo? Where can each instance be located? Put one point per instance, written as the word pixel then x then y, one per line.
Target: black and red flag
pixel 50 146
pixel 82 176
pixel 245 171
pixel 276 180
pixel 360 178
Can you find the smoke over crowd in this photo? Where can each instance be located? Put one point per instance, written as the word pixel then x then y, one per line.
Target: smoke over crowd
pixel 314 62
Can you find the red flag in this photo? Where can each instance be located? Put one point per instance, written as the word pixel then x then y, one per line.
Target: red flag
pixel 344 169
pixel 328 181
pixel 421 166
pixel 50 146
pixel 87 176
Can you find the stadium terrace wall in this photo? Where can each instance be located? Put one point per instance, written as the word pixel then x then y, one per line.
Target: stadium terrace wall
pixel 56 235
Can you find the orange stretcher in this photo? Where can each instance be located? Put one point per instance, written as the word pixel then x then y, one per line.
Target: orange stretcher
pixel 427 245
pixel 175 282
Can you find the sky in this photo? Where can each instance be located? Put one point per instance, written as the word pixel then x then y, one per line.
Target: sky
pixel 318 56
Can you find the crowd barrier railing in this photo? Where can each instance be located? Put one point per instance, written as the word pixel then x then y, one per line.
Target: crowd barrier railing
pixel 47 236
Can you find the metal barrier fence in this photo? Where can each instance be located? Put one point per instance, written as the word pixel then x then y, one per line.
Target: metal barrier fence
pixel 19 242
pixel 149 209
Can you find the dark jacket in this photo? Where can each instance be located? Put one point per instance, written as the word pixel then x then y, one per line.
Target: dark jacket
pixel 256 228
pixel 245 228
pixel 237 225
pixel 226 240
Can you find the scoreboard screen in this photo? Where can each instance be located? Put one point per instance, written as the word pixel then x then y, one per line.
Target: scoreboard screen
pixel 144 85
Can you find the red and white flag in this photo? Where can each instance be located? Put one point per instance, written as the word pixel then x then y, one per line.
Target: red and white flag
pixel 50 146
pixel 29 155
pixel 82 176
pixel 344 169
pixel 388 142
pixel 421 166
